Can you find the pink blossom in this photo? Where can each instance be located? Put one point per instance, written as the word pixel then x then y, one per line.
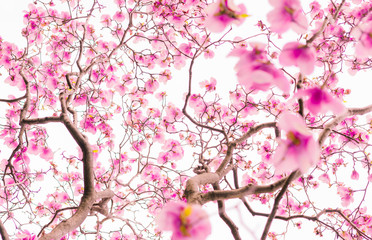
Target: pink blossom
pixel 354 175
pixel 287 14
pixel 185 221
pixel 106 20
pixel 320 101
pixel 139 145
pixel 363 48
pixel 46 154
pixel 324 178
pixel 209 85
pixel 26 235
pixel 369 178
pixel 255 71
pixel 208 54
pixel 296 54
pixel 346 195
pixel 119 16
pixel 299 150
pixel 223 13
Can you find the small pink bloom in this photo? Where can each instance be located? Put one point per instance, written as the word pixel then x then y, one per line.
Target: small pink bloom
pixel 139 145
pixel 119 16
pixel 287 14
pixel 324 178
pixel 106 20
pixel 355 175
pixel 346 195
pixel 369 178
pixel 209 85
pixel 320 101
pixel 223 13
pixel 296 54
pixel 185 221
pixel 299 150
pixel 46 154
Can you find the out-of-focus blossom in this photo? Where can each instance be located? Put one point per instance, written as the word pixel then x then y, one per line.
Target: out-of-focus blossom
pixel 26 235
pixel 255 71
pixel 223 13
pixel 320 101
pixel 287 14
pixel 363 33
pixel 299 150
pixel 185 221
pixel 297 54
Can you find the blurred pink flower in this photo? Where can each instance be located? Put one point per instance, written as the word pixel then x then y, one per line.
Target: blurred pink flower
pixel 299 150
pixel 296 54
pixel 223 13
pixel 255 71
pixel 363 47
pixel 320 101
pixel 185 221
pixel 287 14
pixel 26 235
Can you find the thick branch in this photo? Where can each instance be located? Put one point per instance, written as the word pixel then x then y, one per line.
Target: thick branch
pixel 254 130
pixel 13 100
pixel 3 232
pixel 89 197
pixel 43 120
pixel 243 191
pixel 222 213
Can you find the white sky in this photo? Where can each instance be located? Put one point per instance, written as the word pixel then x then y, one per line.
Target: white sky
pixel 11 23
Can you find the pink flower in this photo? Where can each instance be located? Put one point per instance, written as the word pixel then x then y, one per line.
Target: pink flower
pixel 346 195
pixel 324 178
pixel 209 85
pixel 46 153
pixel 223 13
pixel 255 71
pixel 287 14
pixel 119 16
pixel 363 48
pixel 296 54
pixel 320 101
pixel 26 235
pixel 185 221
pixel 299 150
pixel 355 175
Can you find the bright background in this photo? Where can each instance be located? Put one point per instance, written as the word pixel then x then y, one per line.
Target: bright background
pixel 11 23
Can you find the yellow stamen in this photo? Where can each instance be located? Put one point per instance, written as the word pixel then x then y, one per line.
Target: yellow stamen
pixel 291 136
pixel 184 223
pixel 289 10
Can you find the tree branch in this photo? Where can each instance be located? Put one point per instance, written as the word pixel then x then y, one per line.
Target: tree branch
pixel 350 112
pixel 222 213
pixel 3 232
pixel 13 100
pixel 276 204
pixel 243 191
